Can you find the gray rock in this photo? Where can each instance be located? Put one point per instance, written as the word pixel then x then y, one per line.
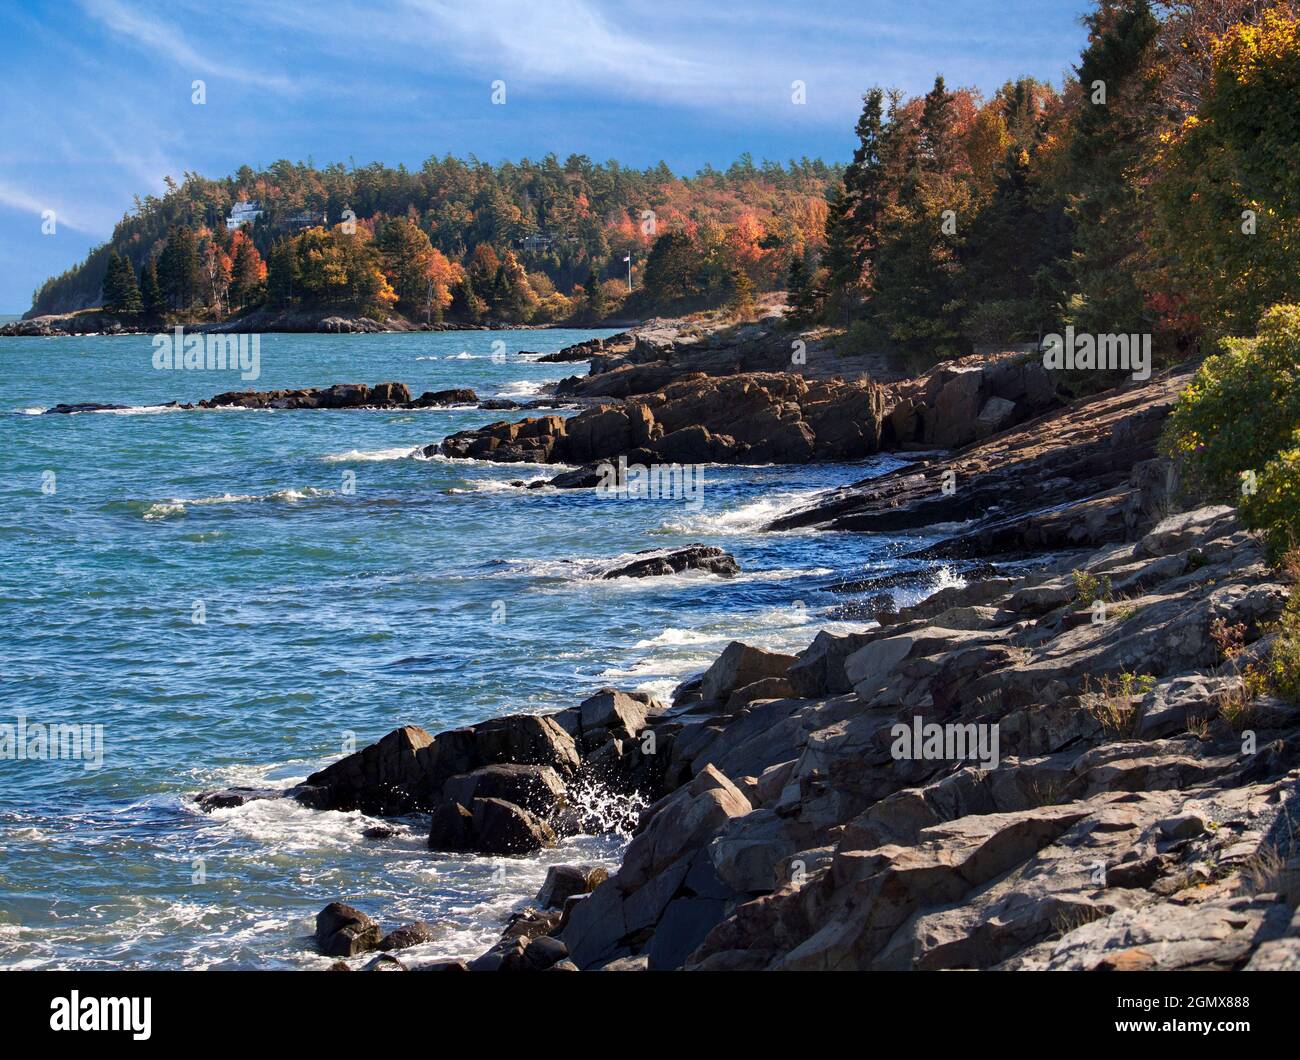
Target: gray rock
pixel 342 931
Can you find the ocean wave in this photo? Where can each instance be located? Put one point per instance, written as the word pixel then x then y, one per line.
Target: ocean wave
pixel 178 505
pixel 523 388
pixel 746 519
pixel 400 452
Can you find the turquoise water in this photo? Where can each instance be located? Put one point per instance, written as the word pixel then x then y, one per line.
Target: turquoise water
pixel 328 611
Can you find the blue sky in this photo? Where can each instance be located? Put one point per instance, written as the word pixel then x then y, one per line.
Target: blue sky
pixel 95 95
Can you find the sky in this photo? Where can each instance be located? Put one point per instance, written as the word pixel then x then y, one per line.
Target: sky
pixel 97 96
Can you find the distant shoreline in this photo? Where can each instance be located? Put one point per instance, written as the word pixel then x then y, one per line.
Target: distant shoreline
pixel 327 322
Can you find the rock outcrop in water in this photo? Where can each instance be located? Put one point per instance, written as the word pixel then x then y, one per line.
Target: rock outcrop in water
pixel 657 562
pixel 753 418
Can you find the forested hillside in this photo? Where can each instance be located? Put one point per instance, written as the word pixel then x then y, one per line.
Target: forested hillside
pixel 518 241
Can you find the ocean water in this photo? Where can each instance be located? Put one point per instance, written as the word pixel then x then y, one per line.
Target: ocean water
pixel 345 587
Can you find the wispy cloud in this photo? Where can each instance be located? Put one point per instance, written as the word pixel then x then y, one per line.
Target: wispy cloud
pixel 151 32
pixel 25 202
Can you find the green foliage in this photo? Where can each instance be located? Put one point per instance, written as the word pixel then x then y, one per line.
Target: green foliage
pixel 1090 588
pixel 1228 202
pixel 1240 417
pixel 1282 668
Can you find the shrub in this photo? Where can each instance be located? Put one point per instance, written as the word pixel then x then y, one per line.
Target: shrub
pixel 1237 427
pixel 1091 587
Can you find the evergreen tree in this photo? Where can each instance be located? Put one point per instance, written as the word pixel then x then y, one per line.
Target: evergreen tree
pixel 111 291
pixel 800 297
pixel 179 268
pixel 154 302
pixel 131 303
pixel 1113 143
pixel 465 302
pixel 597 304
pixel 281 274
pixel 121 295
pixel 740 300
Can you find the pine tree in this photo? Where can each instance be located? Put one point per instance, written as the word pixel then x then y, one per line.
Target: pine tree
pixel 154 303
pixel 1112 144
pixel 179 268
pixel 800 296
pixel 740 301
pixel 111 292
pixel 597 304
pixel 281 274
pixel 131 303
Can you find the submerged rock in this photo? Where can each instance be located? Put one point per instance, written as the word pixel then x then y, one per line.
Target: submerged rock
pixel 657 562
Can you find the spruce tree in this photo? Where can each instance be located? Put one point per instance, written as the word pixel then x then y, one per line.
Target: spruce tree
pixel 597 304
pixel 130 301
pixel 1112 145
pixel 151 295
pixel 111 291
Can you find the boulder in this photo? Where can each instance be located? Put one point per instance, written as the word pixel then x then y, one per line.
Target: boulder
pixel 563 882
pixel 408 935
pixel 436 398
pixel 342 931
pixel 501 827
pixel 739 665
pixel 452 828
pixel 536 788
pixel 390 394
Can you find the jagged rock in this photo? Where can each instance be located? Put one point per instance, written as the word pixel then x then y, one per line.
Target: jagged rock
pixel 406 770
pixel 563 882
pixel 819 668
pixel 536 788
pixel 657 563
pixel 342 931
pixel 751 418
pixel 501 827
pixel 739 665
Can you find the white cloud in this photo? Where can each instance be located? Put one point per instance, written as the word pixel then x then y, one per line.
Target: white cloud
pixel 147 30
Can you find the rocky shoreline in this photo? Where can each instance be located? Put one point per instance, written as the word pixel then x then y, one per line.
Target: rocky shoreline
pixel 261 321
pixel 1058 764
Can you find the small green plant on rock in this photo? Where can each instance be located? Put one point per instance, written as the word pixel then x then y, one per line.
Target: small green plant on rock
pixel 1091 587
pixel 1114 704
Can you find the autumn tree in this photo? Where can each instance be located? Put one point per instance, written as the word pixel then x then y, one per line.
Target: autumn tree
pixel 247 270
pixel 1227 201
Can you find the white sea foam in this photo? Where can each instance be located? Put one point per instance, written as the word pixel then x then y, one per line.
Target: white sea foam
pixel 400 452
pixel 746 519
pixel 522 388
pixel 178 505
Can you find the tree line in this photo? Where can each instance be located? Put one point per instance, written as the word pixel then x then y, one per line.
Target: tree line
pixel 1156 192
pixel 535 240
